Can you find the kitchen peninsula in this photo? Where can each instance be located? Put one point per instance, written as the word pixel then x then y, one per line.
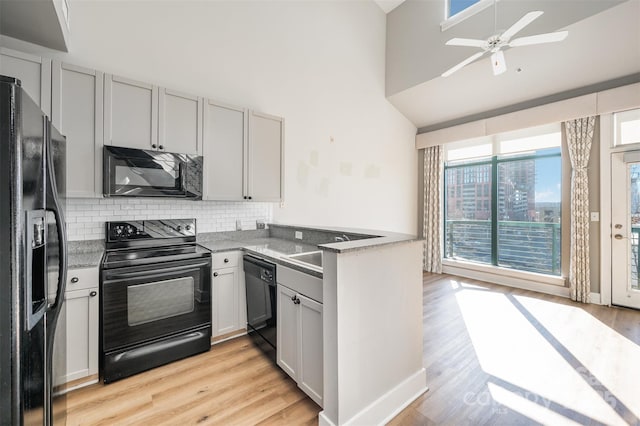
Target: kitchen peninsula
pixel 372 312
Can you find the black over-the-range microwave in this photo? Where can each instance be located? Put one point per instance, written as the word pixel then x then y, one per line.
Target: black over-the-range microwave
pixel 132 172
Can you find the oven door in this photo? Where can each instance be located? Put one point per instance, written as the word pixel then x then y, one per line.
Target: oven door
pixel 139 173
pixel 144 303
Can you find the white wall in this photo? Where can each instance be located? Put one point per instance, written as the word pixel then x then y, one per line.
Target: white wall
pixel 319 64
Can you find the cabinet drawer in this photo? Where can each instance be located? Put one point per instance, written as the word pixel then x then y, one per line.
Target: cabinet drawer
pixel 227 259
pixel 300 282
pixel 78 279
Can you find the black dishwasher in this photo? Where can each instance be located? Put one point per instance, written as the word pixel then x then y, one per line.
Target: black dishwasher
pixel 260 278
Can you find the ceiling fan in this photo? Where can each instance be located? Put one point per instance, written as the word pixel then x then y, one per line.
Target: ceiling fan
pixel 497 42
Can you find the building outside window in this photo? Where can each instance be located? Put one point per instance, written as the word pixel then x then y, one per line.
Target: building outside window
pixel 504 209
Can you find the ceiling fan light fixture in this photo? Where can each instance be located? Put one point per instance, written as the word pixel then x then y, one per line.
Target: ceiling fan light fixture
pixel 498 63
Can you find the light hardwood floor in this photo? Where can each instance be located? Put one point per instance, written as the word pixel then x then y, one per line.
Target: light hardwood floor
pixel 493 354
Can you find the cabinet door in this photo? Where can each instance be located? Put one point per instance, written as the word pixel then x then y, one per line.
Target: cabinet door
pixel 287 330
pixel 77 102
pixel 79 327
pixel 224 148
pixel 180 122
pixel 33 71
pixel 310 359
pixel 265 161
pixel 225 304
pixel 130 113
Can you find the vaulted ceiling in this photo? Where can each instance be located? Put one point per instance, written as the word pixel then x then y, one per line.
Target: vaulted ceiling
pixel 603 45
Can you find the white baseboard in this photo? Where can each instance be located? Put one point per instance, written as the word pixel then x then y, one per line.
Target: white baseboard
pixel 323 420
pixel 389 405
pixel 595 298
pixel 515 282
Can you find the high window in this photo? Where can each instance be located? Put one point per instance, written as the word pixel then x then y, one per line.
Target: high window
pixel 502 201
pixel 627 127
pixel 457 6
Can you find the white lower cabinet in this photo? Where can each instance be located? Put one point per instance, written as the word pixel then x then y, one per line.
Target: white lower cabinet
pixel 78 330
pixel 299 351
pixel 228 310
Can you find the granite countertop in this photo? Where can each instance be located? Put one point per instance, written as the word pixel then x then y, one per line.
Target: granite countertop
pixel 361 239
pixel 85 254
pixel 272 249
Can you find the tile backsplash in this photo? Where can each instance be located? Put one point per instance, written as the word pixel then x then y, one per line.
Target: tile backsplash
pixel 86 216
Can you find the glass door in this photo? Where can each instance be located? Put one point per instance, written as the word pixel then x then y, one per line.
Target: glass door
pixel 625 229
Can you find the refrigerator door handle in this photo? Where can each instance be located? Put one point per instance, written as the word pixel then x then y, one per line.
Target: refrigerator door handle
pixel 58 214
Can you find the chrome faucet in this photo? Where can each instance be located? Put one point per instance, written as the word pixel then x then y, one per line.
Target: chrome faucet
pixel 342 238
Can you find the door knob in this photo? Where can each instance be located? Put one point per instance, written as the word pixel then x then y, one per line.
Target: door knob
pixel 618 226
pixel 618 237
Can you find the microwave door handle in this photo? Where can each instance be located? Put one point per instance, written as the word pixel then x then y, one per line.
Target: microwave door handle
pixel 183 177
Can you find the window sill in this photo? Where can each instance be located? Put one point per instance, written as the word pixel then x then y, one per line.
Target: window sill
pixel 465 14
pixel 530 277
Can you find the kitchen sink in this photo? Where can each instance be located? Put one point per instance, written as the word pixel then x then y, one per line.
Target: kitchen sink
pixel 311 257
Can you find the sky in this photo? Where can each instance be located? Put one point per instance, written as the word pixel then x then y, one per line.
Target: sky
pixel 548 177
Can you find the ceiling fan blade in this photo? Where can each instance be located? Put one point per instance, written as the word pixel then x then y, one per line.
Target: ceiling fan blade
pixel 523 22
pixel 471 42
pixel 462 64
pixel 539 39
pixel 498 63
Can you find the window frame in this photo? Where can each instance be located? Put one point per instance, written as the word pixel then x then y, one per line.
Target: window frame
pixel 450 21
pixel 494 161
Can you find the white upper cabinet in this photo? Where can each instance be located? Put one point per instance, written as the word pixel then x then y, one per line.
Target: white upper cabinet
pixel 265 159
pixel 180 122
pixel 224 150
pixel 141 115
pixel 130 113
pixel 77 102
pixel 34 72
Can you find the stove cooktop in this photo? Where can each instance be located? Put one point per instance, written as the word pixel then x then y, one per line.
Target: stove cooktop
pixel 143 242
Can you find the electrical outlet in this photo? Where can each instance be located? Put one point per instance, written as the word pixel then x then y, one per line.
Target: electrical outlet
pixel 260 224
pixel 238 225
pixel 298 235
pixel 595 216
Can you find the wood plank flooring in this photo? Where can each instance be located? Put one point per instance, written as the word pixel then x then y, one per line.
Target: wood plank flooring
pixel 501 356
pixel 493 354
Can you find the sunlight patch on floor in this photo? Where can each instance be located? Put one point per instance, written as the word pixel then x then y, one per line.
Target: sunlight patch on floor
pixel 608 357
pixel 533 406
pixel 523 362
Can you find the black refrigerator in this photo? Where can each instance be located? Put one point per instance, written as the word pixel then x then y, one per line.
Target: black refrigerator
pixel 33 260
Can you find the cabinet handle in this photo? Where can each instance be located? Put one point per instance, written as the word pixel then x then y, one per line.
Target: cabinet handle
pixel 215 274
pixel 74 280
pixel 160 147
pixel 250 198
pixel 93 294
pixel 295 300
pixel 153 145
pixel 226 260
pixel 245 197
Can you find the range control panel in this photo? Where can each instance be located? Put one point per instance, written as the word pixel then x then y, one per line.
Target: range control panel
pixel 150 229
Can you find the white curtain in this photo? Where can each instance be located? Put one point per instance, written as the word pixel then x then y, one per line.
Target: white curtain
pixel 432 224
pixel 579 135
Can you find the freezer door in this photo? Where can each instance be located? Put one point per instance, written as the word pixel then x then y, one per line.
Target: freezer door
pixel 29 237
pixel 56 273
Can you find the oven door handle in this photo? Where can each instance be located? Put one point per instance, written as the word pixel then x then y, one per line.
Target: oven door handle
pixel 115 275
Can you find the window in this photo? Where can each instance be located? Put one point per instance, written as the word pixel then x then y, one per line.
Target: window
pixel 457 11
pixel 627 127
pixel 457 6
pixel 507 212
